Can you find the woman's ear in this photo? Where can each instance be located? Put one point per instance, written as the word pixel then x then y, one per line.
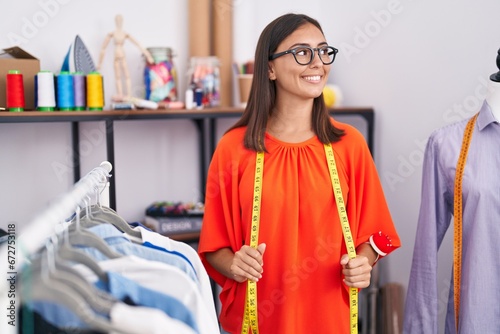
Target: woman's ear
pixel 271 73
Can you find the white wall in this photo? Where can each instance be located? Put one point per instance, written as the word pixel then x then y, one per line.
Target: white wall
pixel 420 64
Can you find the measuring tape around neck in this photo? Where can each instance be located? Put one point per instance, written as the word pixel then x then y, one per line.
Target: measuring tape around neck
pixel 457 216
pixel 250 313
pixel 346 230
pixel 250 320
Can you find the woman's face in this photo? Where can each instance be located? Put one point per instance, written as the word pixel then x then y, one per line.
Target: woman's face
pixel 299 82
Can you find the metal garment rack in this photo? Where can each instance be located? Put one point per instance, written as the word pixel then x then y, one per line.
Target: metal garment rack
pixel 38 231
pixel 204 119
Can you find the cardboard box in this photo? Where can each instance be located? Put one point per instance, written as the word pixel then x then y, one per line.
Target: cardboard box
pixel 16 58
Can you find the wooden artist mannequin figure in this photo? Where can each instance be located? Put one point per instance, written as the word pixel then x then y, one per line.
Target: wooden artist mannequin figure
pixel 119 36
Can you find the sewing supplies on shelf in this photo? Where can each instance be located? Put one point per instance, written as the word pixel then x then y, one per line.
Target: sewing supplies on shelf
pixel 65 91
pixel 160 78
pixel 15 91
pixel 204 81
pixel 45 95
pixel 95 91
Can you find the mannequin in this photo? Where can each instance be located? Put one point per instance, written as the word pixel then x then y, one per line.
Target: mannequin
pixel 120 63
pixel 493 97
pixel 426 302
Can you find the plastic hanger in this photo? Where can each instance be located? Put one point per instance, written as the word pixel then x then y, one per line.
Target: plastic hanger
pixel 108 215
pixel 116 221
pixel 87 218
pixel 61 272
pixel 81 237
pixel 38 285
pixel 69 253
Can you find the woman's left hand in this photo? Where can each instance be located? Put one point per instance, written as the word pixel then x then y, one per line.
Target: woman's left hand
pixel 357 271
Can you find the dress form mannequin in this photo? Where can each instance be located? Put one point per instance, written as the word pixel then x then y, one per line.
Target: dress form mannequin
pixel 120 63
pixel 493 97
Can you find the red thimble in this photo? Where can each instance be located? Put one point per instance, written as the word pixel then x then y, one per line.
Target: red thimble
pixel 381 243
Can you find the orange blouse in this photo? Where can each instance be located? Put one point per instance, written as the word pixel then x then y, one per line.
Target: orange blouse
pixel 301 289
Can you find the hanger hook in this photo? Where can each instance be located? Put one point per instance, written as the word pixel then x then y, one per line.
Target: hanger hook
pixel 98 196
pixel 77 220
pixel 47 262
pixel 88 211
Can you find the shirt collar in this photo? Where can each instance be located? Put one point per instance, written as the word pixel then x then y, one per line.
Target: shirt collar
pixel 485 117
pixel 109 233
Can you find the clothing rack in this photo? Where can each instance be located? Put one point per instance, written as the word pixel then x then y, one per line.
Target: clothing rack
pixel 37 232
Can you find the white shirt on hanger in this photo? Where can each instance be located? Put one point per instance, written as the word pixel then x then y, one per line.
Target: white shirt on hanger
pixel 139 320
pixel 163 278
pixel 173 245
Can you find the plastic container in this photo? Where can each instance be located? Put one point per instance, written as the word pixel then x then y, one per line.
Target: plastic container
pixel 160 78
pixel 204 76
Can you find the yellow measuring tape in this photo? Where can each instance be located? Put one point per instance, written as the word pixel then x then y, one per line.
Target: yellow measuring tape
pixel 457 215
pixel 346 230
pixel 250 320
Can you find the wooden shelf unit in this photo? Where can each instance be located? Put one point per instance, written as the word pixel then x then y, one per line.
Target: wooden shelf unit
pixel 205 120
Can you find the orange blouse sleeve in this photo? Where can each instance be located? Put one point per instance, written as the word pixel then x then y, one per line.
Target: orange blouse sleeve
pixel 367 208
pixel 221 219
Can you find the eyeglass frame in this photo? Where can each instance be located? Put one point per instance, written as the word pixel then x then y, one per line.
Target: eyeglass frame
pixel 313 52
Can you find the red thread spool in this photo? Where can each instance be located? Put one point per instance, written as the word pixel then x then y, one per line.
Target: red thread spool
pixel 15 91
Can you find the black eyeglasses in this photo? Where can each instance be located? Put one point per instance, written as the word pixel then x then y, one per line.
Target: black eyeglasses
pixel 304 55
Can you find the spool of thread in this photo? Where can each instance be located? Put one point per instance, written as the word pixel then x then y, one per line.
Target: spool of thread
pixel 198 97
pixel 15 91
pixel 65 91
pixel 45 95
pixel 79 90
pixel 189 98
pixel 95 91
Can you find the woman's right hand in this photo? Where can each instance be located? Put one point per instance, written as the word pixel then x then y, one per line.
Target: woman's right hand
pixel 248 263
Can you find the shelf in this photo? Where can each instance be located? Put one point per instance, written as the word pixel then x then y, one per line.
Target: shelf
pixel 205 120
pixel 117 115
pixel 184 237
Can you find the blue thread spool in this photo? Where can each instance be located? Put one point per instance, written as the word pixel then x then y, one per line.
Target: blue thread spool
pixel 198 97
pixel 65 91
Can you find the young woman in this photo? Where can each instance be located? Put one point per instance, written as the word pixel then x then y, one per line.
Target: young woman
pixel 304 287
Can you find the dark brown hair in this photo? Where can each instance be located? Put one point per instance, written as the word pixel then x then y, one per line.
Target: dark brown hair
pixel 263 91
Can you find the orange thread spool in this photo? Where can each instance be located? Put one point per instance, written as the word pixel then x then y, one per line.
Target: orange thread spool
pixel 15 91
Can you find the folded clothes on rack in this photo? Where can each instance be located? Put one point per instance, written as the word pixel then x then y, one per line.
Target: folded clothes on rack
pixel 174 209
pixel 174 218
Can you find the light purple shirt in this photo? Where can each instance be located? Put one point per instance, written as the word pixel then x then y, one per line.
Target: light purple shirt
pixel 480 280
